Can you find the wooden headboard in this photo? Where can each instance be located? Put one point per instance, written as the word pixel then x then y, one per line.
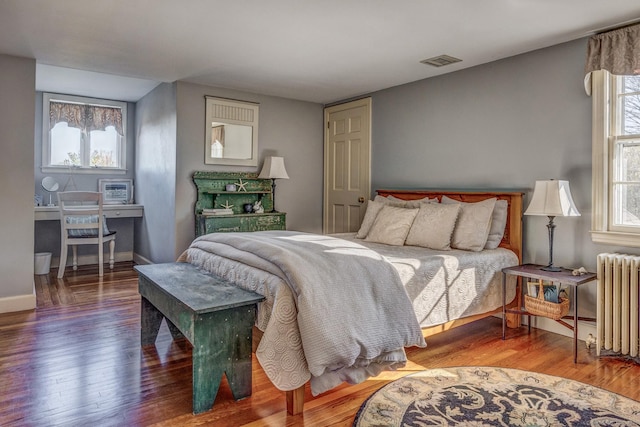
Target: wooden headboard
pixel 512 238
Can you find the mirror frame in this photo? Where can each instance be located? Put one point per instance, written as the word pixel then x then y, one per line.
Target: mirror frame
pixel 234 112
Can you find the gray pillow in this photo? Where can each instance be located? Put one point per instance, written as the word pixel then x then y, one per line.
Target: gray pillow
pixel 498 224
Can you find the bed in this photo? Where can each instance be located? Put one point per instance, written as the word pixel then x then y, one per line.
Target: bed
pixel 295 334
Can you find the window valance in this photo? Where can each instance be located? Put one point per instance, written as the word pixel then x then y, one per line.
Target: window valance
pixel 85 117
pixel 616 51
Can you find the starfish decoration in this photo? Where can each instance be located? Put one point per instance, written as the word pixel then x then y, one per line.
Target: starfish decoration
pixel 227 205
pixel 241 186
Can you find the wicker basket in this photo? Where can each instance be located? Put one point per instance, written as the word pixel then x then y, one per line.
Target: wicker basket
pixel 540 307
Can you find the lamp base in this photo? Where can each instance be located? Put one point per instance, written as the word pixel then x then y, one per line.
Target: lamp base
pixel 552 268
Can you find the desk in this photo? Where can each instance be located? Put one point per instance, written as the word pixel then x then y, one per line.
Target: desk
pixel 122 218
pixel 564 277
pixel 52 213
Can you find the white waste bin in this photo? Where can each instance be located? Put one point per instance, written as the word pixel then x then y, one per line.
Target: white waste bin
pixel 42 263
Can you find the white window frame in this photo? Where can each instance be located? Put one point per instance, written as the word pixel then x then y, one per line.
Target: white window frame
pixel 46 140
pixel 603 229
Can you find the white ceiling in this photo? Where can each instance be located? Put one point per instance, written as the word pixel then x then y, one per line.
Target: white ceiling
pixel 314 50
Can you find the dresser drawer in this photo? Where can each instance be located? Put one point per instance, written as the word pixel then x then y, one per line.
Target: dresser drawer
pixel 247 222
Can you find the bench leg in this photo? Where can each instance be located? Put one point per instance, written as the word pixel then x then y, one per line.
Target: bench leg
pixel 206 375
pixel 150 320
pixel 222 345
pixel 175 332
pixel 239 369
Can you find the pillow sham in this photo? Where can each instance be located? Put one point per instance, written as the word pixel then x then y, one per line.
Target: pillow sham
pixel 498 221
pixel 473 224
pixel 392 225
pixel 433 226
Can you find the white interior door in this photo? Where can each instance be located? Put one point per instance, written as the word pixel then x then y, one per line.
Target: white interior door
pixel 347 165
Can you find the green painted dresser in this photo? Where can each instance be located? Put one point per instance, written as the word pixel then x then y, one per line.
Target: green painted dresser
pixel 213 194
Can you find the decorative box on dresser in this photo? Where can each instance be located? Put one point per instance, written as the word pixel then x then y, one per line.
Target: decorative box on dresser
pixel 213 194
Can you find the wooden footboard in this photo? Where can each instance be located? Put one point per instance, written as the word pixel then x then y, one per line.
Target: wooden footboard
pixel 512 240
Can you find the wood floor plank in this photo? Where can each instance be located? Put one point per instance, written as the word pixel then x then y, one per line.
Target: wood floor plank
pixel 77 360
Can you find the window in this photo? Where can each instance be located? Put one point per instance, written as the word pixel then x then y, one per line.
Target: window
pixel 616 159
pixel 83 134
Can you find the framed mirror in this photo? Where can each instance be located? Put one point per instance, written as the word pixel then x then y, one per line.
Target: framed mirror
pixel 231 134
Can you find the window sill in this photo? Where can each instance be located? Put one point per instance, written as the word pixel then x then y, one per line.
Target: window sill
pixel 616 238
pixel 67 170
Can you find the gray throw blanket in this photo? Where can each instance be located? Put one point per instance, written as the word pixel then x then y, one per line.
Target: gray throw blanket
pixel 336 304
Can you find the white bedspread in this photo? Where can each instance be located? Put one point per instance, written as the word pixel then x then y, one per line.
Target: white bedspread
pixel 334 311
pixel 448 285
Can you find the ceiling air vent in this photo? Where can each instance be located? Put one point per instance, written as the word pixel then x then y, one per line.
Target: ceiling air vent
pixel 440 61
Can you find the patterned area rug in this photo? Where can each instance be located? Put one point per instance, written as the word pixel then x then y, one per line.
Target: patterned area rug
pixel 482 396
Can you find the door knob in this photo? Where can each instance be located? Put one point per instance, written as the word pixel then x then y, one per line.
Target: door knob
pixel 361 199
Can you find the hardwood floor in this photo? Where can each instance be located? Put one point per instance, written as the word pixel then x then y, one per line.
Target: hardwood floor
pixel 77 360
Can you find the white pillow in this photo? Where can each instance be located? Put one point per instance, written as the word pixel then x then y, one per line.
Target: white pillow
pixel 373 207
pixel 433 226
pixel 411 203
pixel 392 225
pixel 473 224
pixel 498 221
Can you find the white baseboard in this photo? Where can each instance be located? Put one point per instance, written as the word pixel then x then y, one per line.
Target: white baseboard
pixel 18 303
pixel 140 260
pixel 93 259
pixel 584 327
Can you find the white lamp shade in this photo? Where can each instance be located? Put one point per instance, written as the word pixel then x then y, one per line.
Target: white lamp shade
pixel 273 168
pixel 552 198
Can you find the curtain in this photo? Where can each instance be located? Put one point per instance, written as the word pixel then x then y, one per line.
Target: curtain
pixel 85 117
pixel 616 51
pixel 217 134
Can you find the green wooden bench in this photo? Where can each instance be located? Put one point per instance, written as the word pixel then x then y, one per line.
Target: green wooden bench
pixel 215 316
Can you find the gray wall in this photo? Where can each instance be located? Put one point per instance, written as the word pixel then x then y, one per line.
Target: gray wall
pixel 155 179
pixel 288 128
pixel 170 148
pixel 17 99
pixel 502 125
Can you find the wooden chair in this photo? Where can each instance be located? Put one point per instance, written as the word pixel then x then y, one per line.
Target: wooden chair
pixel 82 223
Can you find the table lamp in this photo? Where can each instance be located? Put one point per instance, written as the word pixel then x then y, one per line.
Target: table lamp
pixel 552 198
pixel 273 168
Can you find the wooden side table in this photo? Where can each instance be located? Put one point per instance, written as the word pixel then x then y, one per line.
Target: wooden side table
pixel 564 277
